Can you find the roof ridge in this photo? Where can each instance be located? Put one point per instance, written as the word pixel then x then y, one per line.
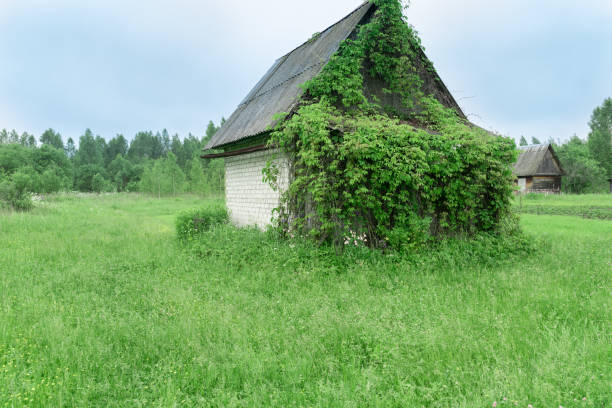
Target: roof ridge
pixel 263 90
pixel 532 146
pixel 327 29
pixel 279 89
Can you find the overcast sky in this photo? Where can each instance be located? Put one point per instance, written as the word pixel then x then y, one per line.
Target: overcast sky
pixel 519 67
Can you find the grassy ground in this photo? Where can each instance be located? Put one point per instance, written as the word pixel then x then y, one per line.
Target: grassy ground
pixel 594 206
pixel 100 307
pixel 602 200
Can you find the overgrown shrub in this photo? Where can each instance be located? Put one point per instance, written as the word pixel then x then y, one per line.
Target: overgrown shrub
pixel 50 181
pixel 412 235
pixel 100 185
pixel 15 192
pixel 388 178
pixel 244 248
pixel 194 222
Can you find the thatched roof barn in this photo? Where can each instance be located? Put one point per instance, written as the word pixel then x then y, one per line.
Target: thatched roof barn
pixel 242 139
pixel 538 169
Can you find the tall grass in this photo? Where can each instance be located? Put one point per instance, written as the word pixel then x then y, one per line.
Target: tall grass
pixel 100 306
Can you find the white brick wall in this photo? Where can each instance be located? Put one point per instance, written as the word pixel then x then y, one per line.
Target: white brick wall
pixel 249 199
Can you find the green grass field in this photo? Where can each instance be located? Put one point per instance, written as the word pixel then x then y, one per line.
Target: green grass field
pixel 100 306
pixel 594 206
pixel 601 200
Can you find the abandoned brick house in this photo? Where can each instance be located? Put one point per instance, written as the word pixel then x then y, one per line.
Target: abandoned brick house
pixel 242 139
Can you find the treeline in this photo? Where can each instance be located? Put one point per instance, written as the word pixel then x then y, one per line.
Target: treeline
pixel 587 163
pixel 155 163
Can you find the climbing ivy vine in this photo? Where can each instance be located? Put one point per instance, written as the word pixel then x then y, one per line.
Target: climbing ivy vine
pixel 366 172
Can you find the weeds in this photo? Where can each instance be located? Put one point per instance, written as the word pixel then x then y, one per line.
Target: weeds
pixel 190 224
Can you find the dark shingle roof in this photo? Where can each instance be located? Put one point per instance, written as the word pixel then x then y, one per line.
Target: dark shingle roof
pixel 279 91
pixel 538 160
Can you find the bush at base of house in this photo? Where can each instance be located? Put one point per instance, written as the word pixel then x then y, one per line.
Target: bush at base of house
pixel 192 223
pixel 389 182
pixel 246 247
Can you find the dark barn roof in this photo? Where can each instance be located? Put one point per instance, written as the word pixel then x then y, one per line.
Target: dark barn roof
pixel 279 90
pixel 538 160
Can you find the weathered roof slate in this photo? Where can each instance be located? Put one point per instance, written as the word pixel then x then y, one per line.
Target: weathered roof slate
pixel 279 91
pixel 538 160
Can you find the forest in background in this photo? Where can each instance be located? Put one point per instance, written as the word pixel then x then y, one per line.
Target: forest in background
pixel 163 165
pixel 154 163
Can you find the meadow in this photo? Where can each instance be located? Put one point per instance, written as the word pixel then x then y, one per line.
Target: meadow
pixel 100 305
pixel 594 206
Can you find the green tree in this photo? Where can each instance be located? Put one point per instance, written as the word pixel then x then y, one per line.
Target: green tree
pixel 600 137
pixel 51 180
pixel 583 174
pixel 70 148
pixel 84 176
pixel 198 182
pixel 211 129
pixel 13 137
pixel 535 141
pixel 145 146
pixel 52 138
pixel 163 177
pixel 48 169
pixel 48 156
pixel 215 175
pixel 91 150
pixel 99 184
pixel 27 140
pixel 523 141
pixel 192 147
pixel 175 178
pixel 117 146
pixel 165 140
pixel 14 156
pixel 176 147
pixel 152 179
pixel 121 171
pixel 89 161
pixel 102 147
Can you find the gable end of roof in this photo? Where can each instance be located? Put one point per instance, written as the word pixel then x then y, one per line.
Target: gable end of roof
pixel 279 89
pixel 538 160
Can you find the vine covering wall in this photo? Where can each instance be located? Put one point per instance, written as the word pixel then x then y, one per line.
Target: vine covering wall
pixel 387 174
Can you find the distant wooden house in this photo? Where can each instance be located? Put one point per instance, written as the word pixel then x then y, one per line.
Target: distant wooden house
pixel 538 170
